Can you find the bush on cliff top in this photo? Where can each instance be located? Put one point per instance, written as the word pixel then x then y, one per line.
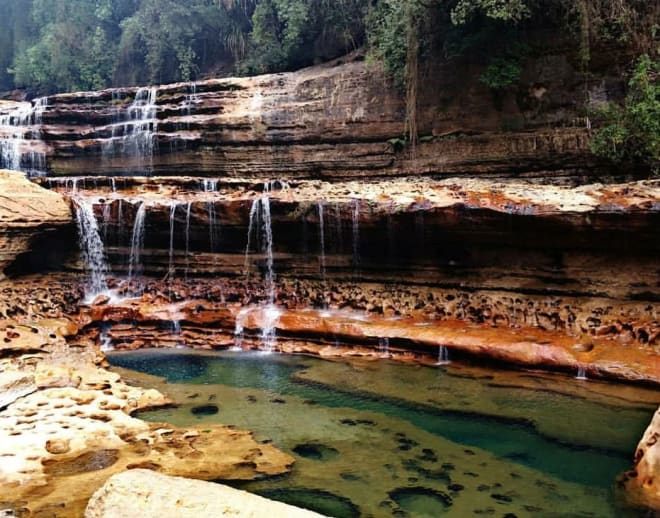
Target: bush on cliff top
pixel 631 132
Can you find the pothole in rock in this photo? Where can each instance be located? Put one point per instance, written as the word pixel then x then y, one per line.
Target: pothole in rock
pixel 317 500
pixel 316 451
pixel 421 502
pixel 90 461
pixel 202 410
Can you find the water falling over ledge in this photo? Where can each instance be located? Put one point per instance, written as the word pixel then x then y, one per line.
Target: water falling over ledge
pixel 137 245
pixel 261 224
pixel 20 146
pixel 91 248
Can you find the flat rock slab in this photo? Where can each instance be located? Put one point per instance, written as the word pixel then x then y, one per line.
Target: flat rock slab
pixel 15 385
pixel 141 492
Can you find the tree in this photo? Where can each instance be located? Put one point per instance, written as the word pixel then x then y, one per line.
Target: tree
pixel 631 132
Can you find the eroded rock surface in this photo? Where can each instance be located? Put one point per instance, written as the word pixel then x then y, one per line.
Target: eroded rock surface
pixel 642 484
pixel 142 492
pixel 69 428
pixel 26 212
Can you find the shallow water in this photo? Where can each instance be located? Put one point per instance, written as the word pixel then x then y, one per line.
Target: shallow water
pixel 385 439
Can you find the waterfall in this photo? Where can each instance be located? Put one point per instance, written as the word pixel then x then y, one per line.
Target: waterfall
pixel 140 130
pixel 92 252
pixel 20 138
pixel 321 239
pixel 213 226
pixel 443 355
pixel 188 207
pixel 384 346
pixel 267 244
pixel 390 234
pixel 107 216
pixel 339 237
pixel 261 224
pixel 171 270
pixel 581 373
pixel 356 233
pixel 189 102
pixel 135 133
pixel 120 220
pixel 209 184
pixel 137 242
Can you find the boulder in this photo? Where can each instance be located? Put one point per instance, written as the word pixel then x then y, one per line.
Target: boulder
pixel 142 492
pixel 26 211
pixel 642 484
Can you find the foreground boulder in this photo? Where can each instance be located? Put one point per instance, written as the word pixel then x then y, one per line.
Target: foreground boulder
pixel 642 484
pixel 142 492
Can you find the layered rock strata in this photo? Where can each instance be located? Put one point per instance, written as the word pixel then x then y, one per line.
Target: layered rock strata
pixel 27 213
pixel 508 255
pixel 342 120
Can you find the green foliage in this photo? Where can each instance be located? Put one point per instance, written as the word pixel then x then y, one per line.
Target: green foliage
pixel 387 37
pixel 50 45
pixel 504 70
pixel 632 131
pixel 503 10
pixel 289 34
pixel 73 49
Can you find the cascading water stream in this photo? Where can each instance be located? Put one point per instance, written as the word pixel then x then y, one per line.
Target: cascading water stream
pixel 188 210
pixel 209 184
pixel 384 346
pixel 213 226
pixel 355 216
pixel 321 239
pixel 135 133
pixel 20 144
pixel 171 270
pixel 443 355
pixel 137 244
pixel 261 224
pixel 92 251
pixel 339 234
pixel 107 216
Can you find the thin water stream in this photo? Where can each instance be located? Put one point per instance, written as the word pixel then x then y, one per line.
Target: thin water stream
pixel 384 439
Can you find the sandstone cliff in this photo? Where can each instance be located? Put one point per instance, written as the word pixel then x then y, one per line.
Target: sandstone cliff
pixel 27 212
pixel 341 120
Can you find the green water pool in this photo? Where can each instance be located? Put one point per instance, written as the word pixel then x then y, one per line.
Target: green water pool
pixel 387 439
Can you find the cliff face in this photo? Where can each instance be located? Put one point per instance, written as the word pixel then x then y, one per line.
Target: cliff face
pixel 332 121
pixel 27 212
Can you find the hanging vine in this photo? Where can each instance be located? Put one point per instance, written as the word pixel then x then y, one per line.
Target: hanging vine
pixel 411 76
